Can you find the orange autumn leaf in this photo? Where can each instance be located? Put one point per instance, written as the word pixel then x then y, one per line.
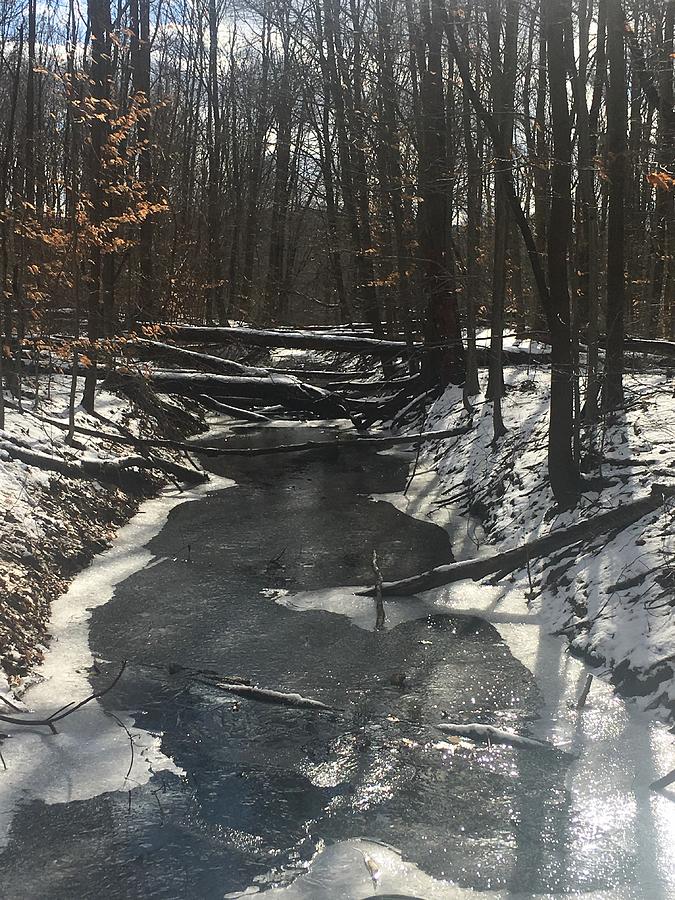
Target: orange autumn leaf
pixel 662 181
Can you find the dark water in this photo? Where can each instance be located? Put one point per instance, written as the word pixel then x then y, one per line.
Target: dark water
pixel 265 784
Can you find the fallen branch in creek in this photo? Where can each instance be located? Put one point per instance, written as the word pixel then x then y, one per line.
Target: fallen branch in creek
pixel 393 440
pixel 234 684
pixel 64 711
pixel 488 734
pixel 379 605
pixel 514 559
pixel 264 695
pixel 662 783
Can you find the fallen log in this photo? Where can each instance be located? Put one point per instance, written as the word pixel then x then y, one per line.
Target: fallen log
pixel 264 695
pixel 236 411
pixel 107 471
pixel 292 340
pixel 156 350
pixel 345 443
pixel 488 734
pixel 367 387
pixel 651 347
pixel 514 559
pixel 282 389
pixel 206 450
pixel 330 341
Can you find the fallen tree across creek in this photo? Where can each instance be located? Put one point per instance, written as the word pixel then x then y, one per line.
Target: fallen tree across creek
pixel 519 556
pixel 387 440
pixel 327 341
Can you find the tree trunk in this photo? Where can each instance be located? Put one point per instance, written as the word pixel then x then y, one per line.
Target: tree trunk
pixel 617 125
pixel 99 24
pixel 562 469
pixel 140 51
pixel 443 362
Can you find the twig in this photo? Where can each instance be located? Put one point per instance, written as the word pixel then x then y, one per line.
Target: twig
pixel 379 605
pixel 131 743
pixel 66 710
pixel 10 704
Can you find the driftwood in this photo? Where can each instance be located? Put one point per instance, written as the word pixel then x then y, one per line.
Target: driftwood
pixel 64 711
pixel 488 734
pixel 514 559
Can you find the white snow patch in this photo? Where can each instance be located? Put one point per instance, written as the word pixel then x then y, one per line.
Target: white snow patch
pixel 359 869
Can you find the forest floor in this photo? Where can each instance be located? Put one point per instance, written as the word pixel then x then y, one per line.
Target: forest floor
pixel 612 597
pixel 51 526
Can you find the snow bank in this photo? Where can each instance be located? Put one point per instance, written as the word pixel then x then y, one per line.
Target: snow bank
pixel 614 597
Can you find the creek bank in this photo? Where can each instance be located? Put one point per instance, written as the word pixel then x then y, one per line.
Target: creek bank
pixel 52 525
pixel 612 595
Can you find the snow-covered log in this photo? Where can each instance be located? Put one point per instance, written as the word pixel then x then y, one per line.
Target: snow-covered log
pixel 190 359
pixel 294 340
pixel 488 734
pixel 513 559
pixel 102 470
pixel 263 695
pixel 325 340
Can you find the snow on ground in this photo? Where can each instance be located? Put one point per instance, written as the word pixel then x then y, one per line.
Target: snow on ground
pixel 50 525
pixel 614 596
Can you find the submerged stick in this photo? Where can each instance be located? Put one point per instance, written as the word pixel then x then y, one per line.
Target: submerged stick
pixel 661 783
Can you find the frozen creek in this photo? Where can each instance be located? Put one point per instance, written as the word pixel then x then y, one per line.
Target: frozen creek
pixel 228 798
